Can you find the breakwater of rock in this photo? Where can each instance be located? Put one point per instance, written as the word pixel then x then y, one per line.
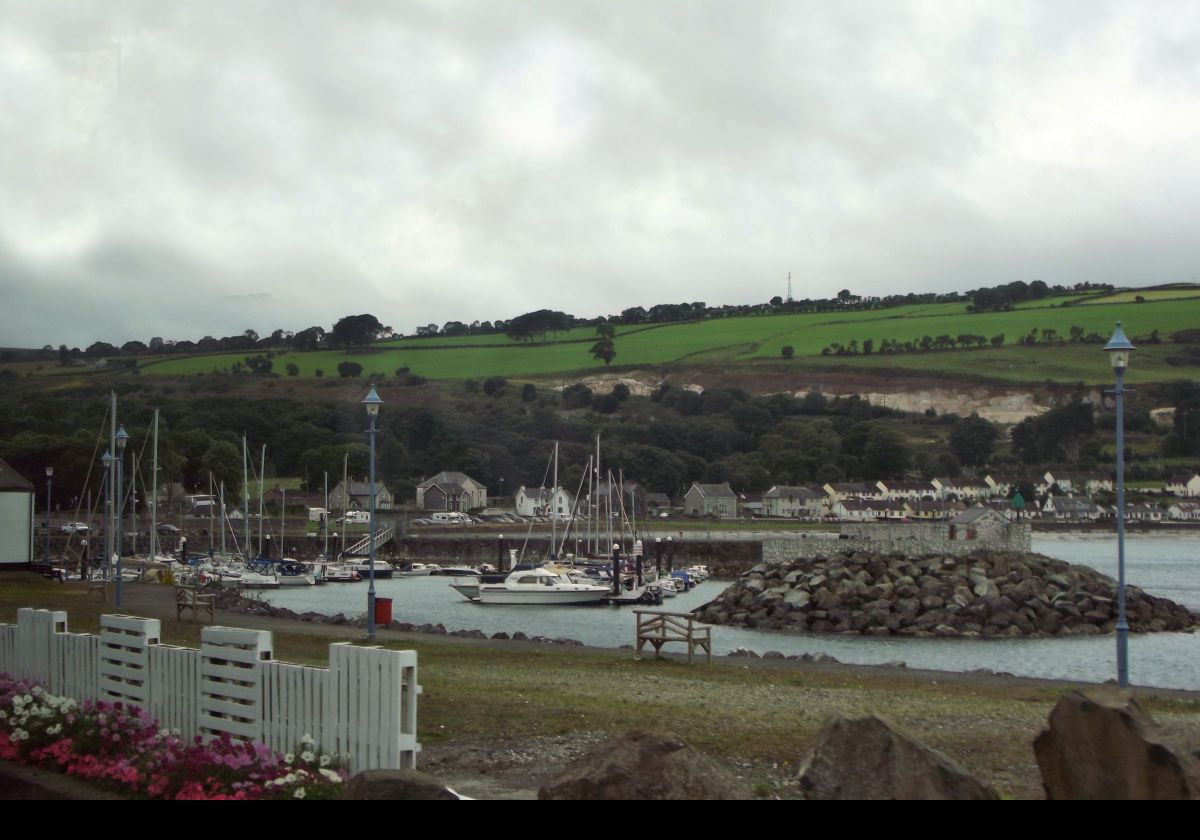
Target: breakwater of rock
pixel 987 594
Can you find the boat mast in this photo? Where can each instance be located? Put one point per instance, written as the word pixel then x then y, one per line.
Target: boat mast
pixel 222 516
pixel 554 508
pixel 345 495
pixel 262 470
pixel 282 523
pixel 210 512
pixel 154 494
pixel 597 552
pixel 245 503
pixel 325 518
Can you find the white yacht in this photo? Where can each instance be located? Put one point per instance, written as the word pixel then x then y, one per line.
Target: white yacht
pixel 540 587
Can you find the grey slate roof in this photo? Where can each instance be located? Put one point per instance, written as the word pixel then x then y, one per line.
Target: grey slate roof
pixel 12 481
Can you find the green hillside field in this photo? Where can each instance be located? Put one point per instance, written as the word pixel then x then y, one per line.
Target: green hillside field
pixel 746 340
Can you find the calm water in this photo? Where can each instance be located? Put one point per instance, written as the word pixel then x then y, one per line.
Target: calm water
pixel 1166 566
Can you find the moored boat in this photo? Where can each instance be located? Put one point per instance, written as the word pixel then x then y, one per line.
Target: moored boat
pixel 540 587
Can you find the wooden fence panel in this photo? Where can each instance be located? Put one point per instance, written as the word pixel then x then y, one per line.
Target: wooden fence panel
pixel 125 643
pixel 175 688
pixel 75 666
pixel 35 632
pixel 294 704
pixel 231 682
pixel 372 699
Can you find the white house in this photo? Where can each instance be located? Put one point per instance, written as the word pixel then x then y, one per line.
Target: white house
pixel 1184 485
pixel 1074 508
pixel 16 519
pixel 542 501
pixel 794 502
pixel 1184 511
pixel 908 490
pixel 1079 482
pixel 963 488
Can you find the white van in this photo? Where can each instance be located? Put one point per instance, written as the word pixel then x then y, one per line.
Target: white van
pixel 357 517
pixel 317 514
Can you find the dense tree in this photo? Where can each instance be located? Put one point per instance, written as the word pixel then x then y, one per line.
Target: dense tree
pixel 604 350
pixel 358 331
pixel 349 370
pixel 537 324
pixel 972 440
pixel 1054 437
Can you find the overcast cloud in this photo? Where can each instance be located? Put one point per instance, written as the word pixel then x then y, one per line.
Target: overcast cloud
pixel 179 169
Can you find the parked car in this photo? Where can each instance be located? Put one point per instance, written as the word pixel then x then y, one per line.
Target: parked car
pixel 167 530
pixel 74 528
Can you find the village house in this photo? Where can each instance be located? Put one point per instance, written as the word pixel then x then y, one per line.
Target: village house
pixel 451 491
pixel 717 500
pixel 1073 509
pixel 869 510
pixel 657 503
pixel 356 496
pixel 909 490
pixel 839 491
pixel 1184 512
pixel 794 502
pixel 543 501
pixel 963 488
pixel 1085 483
pixel 1184 485
pixel 931 510
pixel 1143 512
pixel 1004 484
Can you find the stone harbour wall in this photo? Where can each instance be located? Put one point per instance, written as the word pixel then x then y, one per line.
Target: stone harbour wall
pixel 915 540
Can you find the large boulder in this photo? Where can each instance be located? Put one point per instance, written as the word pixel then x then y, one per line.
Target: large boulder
pixel 1102 745
pixel 397 784
pixel 644 765
pixel 870 758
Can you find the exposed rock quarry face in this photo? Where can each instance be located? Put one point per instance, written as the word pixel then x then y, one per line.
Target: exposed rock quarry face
pixel 1102 745
pixel 643 765
pixel 870 758
pixel 1012 407
pixel 989 593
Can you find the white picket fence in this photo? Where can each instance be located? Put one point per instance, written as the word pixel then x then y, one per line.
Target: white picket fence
pixel 363 705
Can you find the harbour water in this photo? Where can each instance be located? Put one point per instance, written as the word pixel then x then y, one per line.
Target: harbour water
pixel 1164 566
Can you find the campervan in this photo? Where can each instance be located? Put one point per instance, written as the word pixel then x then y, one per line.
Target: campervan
pixel 451 518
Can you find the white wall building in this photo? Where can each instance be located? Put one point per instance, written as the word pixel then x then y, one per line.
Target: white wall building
pixel 543 501
pixel 16 519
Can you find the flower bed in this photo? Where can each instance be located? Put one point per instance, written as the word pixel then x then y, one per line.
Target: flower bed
pixel 122 748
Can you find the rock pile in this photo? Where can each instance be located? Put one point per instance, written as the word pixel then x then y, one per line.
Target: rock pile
pixel 989 593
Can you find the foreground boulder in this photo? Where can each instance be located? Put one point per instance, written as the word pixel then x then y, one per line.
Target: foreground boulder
pixel 397 784
pixel 1102 745
pixel 869 758
pixel 644 765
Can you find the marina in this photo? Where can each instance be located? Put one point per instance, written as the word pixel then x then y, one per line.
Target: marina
pixel 1163 566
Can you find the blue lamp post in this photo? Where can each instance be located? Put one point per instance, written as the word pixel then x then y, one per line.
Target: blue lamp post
pixel 107 461
pixel 122 438
pixel 1119 349
pixel 49 484
pixel 372 403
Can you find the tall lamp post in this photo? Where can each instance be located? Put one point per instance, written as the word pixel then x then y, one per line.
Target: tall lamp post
pixel 107 461
pixel 49 483
pixel 1119 349
pixel 372 402
pixel 122 438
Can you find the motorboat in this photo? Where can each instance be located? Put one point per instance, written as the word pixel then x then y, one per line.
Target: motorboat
pixel 417 570
pixel 337 573
pixel 291 572
pixel 383 570
pixel 540 587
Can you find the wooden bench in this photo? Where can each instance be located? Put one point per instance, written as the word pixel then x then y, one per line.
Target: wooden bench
pixel 193 598
pixel 658 628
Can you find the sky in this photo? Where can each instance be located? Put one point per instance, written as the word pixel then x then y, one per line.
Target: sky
pixel 182 169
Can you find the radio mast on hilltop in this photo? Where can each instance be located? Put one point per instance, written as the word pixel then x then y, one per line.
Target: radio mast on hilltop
pixel 789 297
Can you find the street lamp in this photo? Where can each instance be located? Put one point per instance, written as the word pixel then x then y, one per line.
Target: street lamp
pixel 49 483
pixel 372 403
pixel 122 438
pixel 1119 349
pixel 107 461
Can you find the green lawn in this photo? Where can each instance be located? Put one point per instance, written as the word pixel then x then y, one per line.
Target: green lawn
pixel 726 340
